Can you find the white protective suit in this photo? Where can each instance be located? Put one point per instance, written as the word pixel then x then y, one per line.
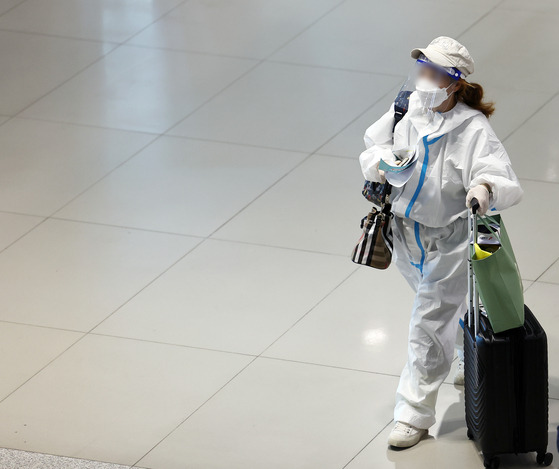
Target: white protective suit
pixel 458 150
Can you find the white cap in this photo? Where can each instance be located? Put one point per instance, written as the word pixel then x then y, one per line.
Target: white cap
pixel 447 52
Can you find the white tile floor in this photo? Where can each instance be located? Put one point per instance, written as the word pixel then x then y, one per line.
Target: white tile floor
pixel 179 194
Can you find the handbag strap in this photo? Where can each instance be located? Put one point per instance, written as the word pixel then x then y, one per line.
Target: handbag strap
pixel 385 193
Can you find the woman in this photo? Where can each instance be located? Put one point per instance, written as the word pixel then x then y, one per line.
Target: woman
pixel 457 157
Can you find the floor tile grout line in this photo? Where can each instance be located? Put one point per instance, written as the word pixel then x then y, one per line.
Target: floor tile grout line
pixel 43 367
pixel 173 344
pixel 168 12
pixel 23 214
pixel 194 411
pixel 539 282
pixel 238 212
pixel 87 126
pixel 391 90
pixel 191 52
pixel 158 276
pixel 60 84
pixel 226 240
pixel 59 36
pixel 481 18
pixel 170 233
pixel 8 119
pixel 207 101
pixel 323 365
pixel 250 243
pixel 134 154
pixel 556 261
pixel 195 52
pixel 504 6
pixel 23 235
pixel 312 308
pixel 12 8
pixel 126 227
pixel 304 30
pixel 42 326
pixel 370 441
pixel 531 116
pixel 250 145
pixel 135 339
pixel 321 152
pixel 337 69
pixel 185 235
pixel 538 180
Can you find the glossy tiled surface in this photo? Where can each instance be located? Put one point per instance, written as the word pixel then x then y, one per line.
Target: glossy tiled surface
pixel 179 196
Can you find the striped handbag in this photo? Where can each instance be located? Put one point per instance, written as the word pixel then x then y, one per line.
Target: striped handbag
pixel 375 245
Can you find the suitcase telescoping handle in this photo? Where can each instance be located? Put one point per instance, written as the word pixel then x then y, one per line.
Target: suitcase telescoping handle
pixel 473 297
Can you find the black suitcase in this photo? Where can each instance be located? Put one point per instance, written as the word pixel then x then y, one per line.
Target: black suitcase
pixel 506 383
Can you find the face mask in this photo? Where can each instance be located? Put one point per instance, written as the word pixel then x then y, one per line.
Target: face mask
pixel 430 94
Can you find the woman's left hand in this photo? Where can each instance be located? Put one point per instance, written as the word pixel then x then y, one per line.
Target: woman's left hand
pixel 481 193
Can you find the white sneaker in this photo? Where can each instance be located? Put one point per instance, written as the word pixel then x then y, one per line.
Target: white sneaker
pixel 459 375
pixel 404 435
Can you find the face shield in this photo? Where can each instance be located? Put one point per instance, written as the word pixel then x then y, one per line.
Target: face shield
pixel 430 84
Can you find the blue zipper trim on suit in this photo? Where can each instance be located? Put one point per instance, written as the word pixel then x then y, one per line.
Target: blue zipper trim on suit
pixel 418 241
pixel 416 194
pixel 423 172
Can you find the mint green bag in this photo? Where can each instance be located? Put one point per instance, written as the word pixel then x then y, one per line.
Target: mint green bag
pixel 498 281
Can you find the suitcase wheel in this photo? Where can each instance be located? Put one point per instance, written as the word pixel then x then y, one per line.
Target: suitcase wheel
pixel 492 462
pixel 544 458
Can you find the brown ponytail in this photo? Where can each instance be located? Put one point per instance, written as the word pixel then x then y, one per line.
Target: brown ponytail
pixel 472 95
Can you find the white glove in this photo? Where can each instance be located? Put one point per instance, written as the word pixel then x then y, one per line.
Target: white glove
pixel 382 176
pixel 369 160
pixel 481 193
